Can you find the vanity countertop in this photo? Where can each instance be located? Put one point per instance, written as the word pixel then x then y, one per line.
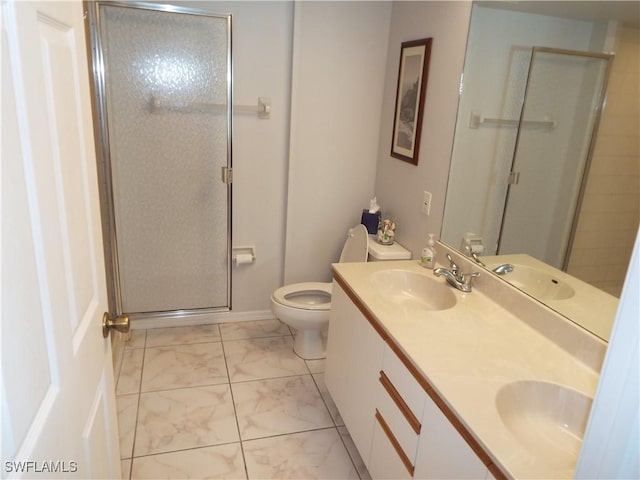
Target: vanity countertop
pixel 468 352
pixel 595 308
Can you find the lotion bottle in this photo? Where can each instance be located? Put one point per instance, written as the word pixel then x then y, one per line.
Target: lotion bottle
pixel 428 257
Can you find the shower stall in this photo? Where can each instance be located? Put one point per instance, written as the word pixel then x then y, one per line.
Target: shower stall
pixel 563 99
pixel 162 90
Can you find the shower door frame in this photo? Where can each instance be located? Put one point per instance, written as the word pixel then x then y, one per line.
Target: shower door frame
pixel 600 105
pixel 103 151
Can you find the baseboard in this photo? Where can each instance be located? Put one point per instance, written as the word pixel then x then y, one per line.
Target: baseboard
pixel 198 319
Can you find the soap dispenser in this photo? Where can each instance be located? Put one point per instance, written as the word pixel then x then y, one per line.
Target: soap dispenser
pixel 428 257
pixel 466 246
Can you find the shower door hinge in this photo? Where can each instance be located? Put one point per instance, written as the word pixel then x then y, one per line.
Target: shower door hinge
pixel 227 175
pixel 514 178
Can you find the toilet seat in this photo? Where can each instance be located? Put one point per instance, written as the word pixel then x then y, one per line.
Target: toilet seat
pixel 305 296
pixel 356 246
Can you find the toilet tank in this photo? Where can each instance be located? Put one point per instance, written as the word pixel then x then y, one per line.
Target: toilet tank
pixel 379 252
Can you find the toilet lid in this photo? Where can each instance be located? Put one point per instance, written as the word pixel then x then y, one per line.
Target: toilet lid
pixel 307 295
pixel 356 247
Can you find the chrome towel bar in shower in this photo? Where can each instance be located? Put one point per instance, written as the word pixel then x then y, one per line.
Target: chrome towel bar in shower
pixel 477 119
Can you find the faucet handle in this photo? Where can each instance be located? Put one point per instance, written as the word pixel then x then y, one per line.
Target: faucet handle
pixel 471 274
pixel 466 277
pixel 454 266
pixel 476 258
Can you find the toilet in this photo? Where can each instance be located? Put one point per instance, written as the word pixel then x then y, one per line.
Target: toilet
pixel 306 306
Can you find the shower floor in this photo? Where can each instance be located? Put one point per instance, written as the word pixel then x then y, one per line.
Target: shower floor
pixel 228 401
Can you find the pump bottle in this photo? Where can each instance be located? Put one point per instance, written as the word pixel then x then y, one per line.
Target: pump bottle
pixel 428 257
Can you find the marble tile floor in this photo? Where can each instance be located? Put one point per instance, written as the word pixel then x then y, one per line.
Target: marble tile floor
pixel 228 401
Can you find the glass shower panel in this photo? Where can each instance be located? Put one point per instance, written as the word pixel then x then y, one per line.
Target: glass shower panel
pixel 166 87
pixel 561 107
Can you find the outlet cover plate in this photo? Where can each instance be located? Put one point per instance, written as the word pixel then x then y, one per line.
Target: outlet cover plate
pixel 426 203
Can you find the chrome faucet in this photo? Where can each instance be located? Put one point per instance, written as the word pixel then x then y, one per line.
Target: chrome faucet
pixel 502 269
pixel 457 279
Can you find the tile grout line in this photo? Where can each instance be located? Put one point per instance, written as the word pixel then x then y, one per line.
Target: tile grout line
pixel 321 397
pixel 241 441
pixel 355 467
pixel 186 449
pixel 233 402
pixel 135 429
pixel 286 434
pixel 335 425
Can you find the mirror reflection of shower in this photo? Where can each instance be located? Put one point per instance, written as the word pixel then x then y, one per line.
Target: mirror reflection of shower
pixel 563 99
pixel 497 61
pixel 530 137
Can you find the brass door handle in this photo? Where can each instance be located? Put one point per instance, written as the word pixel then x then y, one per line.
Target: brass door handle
pixel 121 324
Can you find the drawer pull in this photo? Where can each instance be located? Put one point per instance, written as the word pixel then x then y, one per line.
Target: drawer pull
pixel 399 401
pixel 396 445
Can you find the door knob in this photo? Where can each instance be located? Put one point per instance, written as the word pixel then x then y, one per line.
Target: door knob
pixel 121 324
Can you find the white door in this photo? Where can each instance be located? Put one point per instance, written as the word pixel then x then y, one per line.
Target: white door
pixel 58 401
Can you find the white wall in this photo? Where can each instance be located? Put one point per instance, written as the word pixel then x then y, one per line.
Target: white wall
pixel 262 39
pixel 399 185
pixel 611 205
pixel 316 178
pixel 337 83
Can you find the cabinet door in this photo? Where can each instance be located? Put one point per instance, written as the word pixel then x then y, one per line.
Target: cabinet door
pixel 354 360
pixel 442 452
pixel 341 333
pixel 386 458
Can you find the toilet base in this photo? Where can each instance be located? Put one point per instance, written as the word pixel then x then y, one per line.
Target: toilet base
pixel 309 344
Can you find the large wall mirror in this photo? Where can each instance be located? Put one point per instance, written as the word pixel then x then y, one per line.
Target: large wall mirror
pixel 545 167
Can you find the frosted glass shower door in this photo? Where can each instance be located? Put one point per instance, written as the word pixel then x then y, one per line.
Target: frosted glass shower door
pixel 563 99
pixel 167 90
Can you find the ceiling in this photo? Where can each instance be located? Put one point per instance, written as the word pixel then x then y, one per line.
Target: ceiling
pixel 627 12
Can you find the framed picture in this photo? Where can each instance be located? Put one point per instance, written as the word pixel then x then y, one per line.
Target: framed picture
pixel 410 93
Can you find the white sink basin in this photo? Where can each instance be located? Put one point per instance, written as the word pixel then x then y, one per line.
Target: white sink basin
pixel 411 290
pixel 537 283
pixel 547 419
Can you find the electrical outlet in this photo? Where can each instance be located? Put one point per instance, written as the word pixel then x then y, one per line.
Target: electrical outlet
pixel 426 203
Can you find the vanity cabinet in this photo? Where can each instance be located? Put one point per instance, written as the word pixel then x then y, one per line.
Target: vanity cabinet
pixel 399 430
pixel 354 359
pixel 399 409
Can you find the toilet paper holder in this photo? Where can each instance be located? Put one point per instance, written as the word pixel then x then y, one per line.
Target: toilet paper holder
pixel 243 255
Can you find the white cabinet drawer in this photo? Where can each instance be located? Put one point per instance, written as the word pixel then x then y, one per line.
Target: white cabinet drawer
pixel 407 386
pixel 387 460
pixel 398 416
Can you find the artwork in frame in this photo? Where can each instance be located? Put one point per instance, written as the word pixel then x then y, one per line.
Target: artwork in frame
pixel 410 93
